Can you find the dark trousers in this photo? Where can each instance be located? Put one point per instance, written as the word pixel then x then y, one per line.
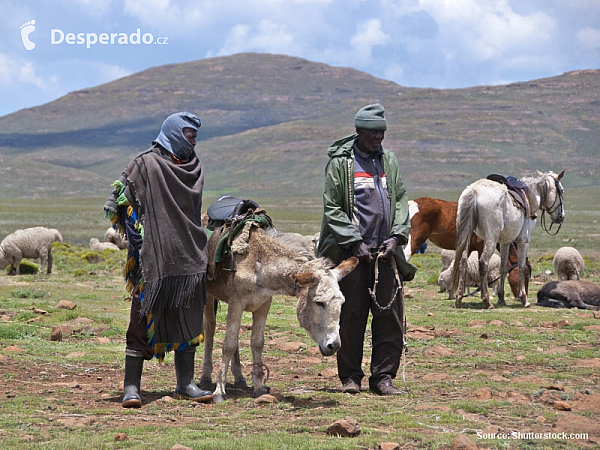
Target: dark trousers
pixel 386 326
pixel 137 335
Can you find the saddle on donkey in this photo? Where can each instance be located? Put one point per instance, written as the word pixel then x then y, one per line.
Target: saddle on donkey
pixel 227 218
pixel 518 190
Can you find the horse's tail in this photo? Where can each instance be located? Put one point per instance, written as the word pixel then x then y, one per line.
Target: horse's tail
pixel 467 216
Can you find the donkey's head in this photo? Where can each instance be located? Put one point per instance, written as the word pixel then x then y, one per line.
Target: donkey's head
pixel 320 301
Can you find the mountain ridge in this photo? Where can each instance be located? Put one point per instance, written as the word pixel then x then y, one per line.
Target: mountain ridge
pixel 267 121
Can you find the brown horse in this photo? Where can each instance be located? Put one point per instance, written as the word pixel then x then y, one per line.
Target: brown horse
pixel 435 219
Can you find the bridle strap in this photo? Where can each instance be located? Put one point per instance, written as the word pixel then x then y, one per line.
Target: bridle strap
pixel 552 208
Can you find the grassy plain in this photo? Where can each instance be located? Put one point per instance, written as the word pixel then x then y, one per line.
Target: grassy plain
pixel 468 371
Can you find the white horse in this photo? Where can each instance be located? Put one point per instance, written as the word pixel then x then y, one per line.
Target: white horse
pixel 486 208
pixel 272 265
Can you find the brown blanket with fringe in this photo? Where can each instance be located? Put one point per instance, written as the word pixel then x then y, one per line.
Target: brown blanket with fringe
pixel 173 257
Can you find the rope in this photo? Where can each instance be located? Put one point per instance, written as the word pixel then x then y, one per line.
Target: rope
pixel 373 293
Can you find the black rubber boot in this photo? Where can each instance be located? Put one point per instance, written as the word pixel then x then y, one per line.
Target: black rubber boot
pixel 184 370
pixel 131 385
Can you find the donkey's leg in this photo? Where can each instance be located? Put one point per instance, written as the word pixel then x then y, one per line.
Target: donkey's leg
pixel 504 248
pixel 210 321
pixel 575 300
pixel 236 369
pixel 488 250
pixel 259 319
pixel 522 249
pixel 235 310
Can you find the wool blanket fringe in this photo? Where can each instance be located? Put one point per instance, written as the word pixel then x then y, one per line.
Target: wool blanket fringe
pixel 171 292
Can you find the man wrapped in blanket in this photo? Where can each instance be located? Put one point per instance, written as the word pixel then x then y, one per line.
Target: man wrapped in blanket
pixel 156 204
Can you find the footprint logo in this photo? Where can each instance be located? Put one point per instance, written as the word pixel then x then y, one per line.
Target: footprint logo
pixel 26 30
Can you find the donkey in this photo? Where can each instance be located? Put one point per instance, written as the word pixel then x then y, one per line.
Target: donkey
pixel 486 208
pixel 272 265
pixel 570 294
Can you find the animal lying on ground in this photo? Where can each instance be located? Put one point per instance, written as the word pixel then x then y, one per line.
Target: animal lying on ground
pixel 473 278
pixel 35 242
pixel 570 294
pixel 116 238
pixel 568 264
pixel 98 246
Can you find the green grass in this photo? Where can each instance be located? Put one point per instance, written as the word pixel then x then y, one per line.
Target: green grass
pixel 58 395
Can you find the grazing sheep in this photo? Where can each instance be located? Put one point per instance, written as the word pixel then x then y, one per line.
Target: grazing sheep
pixel 98 246
pixel 568 264
pixel 116 238
pixel 306 242
pixel 35 242
pixel 473 278
pixel 57 236
pixel 447 258
pixel 570 294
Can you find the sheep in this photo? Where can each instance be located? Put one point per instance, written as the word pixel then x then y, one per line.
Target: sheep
pixel 116 238
pixel 98 246
pixel 57 236
pixel 35 242
pixel 568 264
pixel 473 278
pixel 305 241
pixel 447 258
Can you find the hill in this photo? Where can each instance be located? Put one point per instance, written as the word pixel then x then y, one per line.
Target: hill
pixel 268 120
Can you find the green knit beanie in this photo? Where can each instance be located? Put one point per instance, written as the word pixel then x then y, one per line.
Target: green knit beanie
pixel 371 118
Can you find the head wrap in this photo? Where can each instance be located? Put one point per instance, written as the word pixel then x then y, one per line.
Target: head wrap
pixel 371 118
pixel 171 134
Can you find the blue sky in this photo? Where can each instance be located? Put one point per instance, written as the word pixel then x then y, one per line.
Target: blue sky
pixel 49 48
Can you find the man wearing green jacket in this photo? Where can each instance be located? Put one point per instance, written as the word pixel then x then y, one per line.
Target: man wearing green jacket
pixel 366 215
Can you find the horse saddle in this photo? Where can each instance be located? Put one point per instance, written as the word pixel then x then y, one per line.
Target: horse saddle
pixel 224 219
pixel 517 189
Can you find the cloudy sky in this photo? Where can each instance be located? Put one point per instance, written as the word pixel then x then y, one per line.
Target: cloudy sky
pixel 49 48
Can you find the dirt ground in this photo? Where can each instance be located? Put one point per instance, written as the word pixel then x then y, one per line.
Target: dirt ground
pixel 88 389
pixel 73 393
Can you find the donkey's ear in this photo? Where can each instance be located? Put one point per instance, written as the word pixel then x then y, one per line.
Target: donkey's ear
pixel 560 175
pixel 345 267
pixel 305 279
pixel 539 174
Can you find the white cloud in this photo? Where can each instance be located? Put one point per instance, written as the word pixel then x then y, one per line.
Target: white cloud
pixel 589 37
pixel 168 15
pixel 16 71
pixel 394 72
pixel 266 37
pixel 26 74
pixel 368 34
pixel 110 72
pixel 488 29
